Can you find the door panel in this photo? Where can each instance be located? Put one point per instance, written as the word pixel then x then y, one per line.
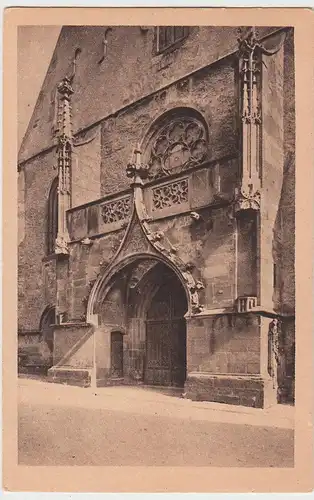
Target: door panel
pixel 165 362
pixel 158 353
pixel 117 355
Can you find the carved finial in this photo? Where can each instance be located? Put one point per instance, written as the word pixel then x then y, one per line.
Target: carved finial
pixel 248 43
pixel 135 168
pixel 64 114
pixel 247 38
pixel 64 88
pixel 247 199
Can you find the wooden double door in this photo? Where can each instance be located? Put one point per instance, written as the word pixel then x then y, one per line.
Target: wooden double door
pixel 165 360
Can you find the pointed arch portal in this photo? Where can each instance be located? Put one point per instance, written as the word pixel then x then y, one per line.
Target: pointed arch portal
pixel 147 302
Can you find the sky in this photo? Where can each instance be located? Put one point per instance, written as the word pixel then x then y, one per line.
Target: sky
pixel 35 47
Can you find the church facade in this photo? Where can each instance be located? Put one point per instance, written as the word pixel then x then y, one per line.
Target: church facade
pixel 156 212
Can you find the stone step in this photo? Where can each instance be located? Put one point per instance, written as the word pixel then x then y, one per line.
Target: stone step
pixel 70 376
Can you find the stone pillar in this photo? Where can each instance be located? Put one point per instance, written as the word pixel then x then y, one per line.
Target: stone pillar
pixel 73 354
pixel 272 170
pixel 103 355
pixel 64 152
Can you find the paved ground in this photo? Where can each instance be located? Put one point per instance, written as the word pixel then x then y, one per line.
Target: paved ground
pixel 60 425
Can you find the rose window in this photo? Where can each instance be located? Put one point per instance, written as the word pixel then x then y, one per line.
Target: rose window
pixel 181 144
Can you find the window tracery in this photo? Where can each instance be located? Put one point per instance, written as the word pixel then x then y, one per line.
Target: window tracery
pixel 180 144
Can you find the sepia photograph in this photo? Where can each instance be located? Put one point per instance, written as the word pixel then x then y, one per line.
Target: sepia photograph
pixel 156 246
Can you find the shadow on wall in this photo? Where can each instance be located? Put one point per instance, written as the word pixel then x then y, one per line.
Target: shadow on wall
pixel 231 345
pixel 284 238
pixel 284 281
pixel 37 357
pixel 34 358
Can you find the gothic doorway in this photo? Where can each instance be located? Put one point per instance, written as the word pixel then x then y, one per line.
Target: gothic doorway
pixel 165 354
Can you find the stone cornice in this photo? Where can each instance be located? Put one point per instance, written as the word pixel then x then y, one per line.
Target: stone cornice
pixel 269 313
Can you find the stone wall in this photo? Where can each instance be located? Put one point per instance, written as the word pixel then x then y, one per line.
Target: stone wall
pixel 272 169
pixel 237 390
pixel 287 200
pixel 84 266
pixel 73 345
pixel 210 91
pixel 86 163
pixel 210 248
pixel 226 344
pixel 36 278
pixel 106 79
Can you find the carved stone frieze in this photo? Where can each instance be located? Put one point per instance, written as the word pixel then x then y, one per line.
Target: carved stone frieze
pixel 116 210
pixel 135 241
pixel 276 337
pixel 247 199
pixel 61 246
pixel 174 193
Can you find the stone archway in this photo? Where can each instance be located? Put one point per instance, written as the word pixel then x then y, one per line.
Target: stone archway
pixel 156 328
pixel 146 301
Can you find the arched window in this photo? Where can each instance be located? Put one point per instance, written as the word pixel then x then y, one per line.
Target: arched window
pixel 52 228
pixel 179 140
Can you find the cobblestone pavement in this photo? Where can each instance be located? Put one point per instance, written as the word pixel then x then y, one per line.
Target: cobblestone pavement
pixel 61 425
